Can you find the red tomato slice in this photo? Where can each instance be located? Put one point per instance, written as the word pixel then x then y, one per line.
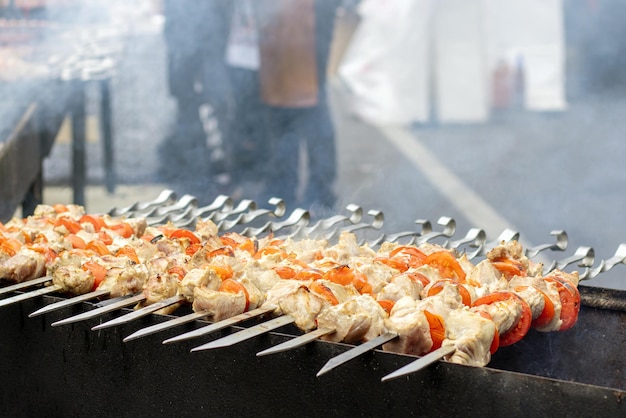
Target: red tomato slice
pixel 76 241
pixel 308 274
pixel 495 343
pixel 394 263
pixel 232 286
pixel 546 314
pixel 185 233
pixel 97 247
pixel 413 255
pixel 386 304
pixel 96 221
pixel 448 266
pixel 285 272
pixel 178 271
pixel 324 291
pixel 72 226
pixel 129 252
pixel 437 329
pixel 440 284
pixel 99 272
pixel 570 301
pixel 418 277
pixel 520 329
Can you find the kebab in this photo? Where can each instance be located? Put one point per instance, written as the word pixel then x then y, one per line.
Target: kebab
pixel 366 298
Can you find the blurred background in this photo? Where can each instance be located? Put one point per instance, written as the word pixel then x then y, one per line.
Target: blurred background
pixel 500 114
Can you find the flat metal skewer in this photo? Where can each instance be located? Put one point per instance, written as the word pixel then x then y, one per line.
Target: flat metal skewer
pixel 248 333
pixel 420 363
pixel 221 324
pixel 101 310
pixel 24 285
pixel 69 302
pixel 153 329
pixel 139 313
pixel 356 351
pixel 25 296
pixel 297 342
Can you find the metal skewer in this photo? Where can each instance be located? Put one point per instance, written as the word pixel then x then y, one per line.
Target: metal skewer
pixel 101 310
pixel 30 295
pixel 420 363
pixel 355 352
pixel 69 302
pixel 166 325
pixel 139 313
pixel 221 324
pixel 296 342
pixel 248 333
pixel 24 285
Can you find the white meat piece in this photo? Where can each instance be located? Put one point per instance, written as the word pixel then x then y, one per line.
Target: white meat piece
pixel 304 306
pixel 443 302
pixel 342 293
pixel 222 305
pixel 378 274
pixel 255 297
pixel 73 279
pixel 124 281
pixel 533 297
pixel 24 265
pixel 399 287
pixel 282 289
pixel 205 229
pixel 357 320
pixel 471 335
pixel 197 277
pixel 412 327
pixel 489 278
pixel 159 287
pixel 505 314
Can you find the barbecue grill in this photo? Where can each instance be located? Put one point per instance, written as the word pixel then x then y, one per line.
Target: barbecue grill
pixel 74 371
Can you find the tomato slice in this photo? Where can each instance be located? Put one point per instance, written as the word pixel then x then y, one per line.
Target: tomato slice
pixel 308 274
pixel 129 252
pixel 72 226
pixel 395 263
pixel 448 266
pixel 438 286
pixel 324 291
pixel 285 272
pixel 520 329
pixel 509 267
pixel 386 304
pixel 570 301
pixel 342 275
pixel 97 247
pixel 178 271
pixel 418 277
pixel 98 271
pixel 413 255
pixel 232 286
pixel 76 241
pixel 495 343
pixel 437 329
pixel 123 229
pixel 185 233
pixel 225 271
pixel 96 221
pixel 547 314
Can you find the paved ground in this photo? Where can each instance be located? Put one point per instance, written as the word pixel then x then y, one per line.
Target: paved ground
pixel 530 172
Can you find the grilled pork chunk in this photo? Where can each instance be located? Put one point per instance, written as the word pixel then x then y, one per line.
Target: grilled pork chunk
pixel 24 265
pixel 471 335
pixel 356 320
pixel 222 305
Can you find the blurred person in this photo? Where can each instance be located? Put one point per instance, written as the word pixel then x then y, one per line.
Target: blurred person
pixel 195 34
pixel 294 44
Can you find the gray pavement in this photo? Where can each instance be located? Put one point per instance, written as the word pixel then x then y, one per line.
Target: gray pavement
pixel 530 172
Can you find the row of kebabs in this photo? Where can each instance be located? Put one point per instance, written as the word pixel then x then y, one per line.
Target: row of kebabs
pixel 427 295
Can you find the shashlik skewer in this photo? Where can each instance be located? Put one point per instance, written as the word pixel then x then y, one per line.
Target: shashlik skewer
pixel 139 313
pixel 94 313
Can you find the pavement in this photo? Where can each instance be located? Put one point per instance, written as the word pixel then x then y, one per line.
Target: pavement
pixel 531 172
